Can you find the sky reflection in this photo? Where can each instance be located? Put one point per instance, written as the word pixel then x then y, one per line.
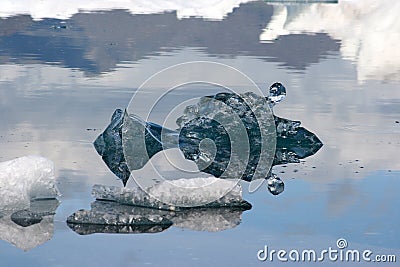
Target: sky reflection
pixel 59 86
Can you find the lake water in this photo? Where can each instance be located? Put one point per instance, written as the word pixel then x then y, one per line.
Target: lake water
pixel 64 72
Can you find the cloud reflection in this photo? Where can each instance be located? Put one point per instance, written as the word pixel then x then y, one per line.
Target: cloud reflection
pixel 369 32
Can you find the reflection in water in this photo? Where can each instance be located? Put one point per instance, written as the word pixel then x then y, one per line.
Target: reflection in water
pixel 372 42
pixel 30 227
pixel 200 122
pixel 296 35
pixel 110 217
pixel 99 42
pixel 211 119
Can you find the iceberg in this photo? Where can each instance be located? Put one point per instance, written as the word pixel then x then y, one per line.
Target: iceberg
pixel 290 143
pixel 133 210
pixel 230 136
pixel 25 179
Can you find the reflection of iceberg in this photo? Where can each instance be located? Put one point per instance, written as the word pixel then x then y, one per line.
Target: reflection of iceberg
pixel 27 201
pixel 112 217
pixel 371 43
pixel 30 227
pixel 210 9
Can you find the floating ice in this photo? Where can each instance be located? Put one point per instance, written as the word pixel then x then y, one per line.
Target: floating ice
pixel 182 192
pixel 227 135
pixel 111 217
pixel 25 179
pixel 132 210
pixel 275 184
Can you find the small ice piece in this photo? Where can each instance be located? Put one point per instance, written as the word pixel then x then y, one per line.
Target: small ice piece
pixel 112 217
pixel 184 193
pixel 277 92
pixel 275 184
pixel 24 179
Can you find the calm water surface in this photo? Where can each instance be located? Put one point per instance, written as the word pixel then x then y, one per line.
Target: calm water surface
pixel 61 79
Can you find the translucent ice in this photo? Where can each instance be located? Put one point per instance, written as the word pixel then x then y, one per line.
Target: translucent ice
pixel 275 184
pixel 25 179
pixel 199 219
pixel 182 192
pixel 112 217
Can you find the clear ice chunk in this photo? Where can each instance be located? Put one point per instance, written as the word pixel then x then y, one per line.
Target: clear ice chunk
pixel 275 184
pixel 25 179
pixel 277 92
pixel 178 192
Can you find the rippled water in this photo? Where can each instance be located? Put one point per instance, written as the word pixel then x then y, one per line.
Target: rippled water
pixel 61 79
